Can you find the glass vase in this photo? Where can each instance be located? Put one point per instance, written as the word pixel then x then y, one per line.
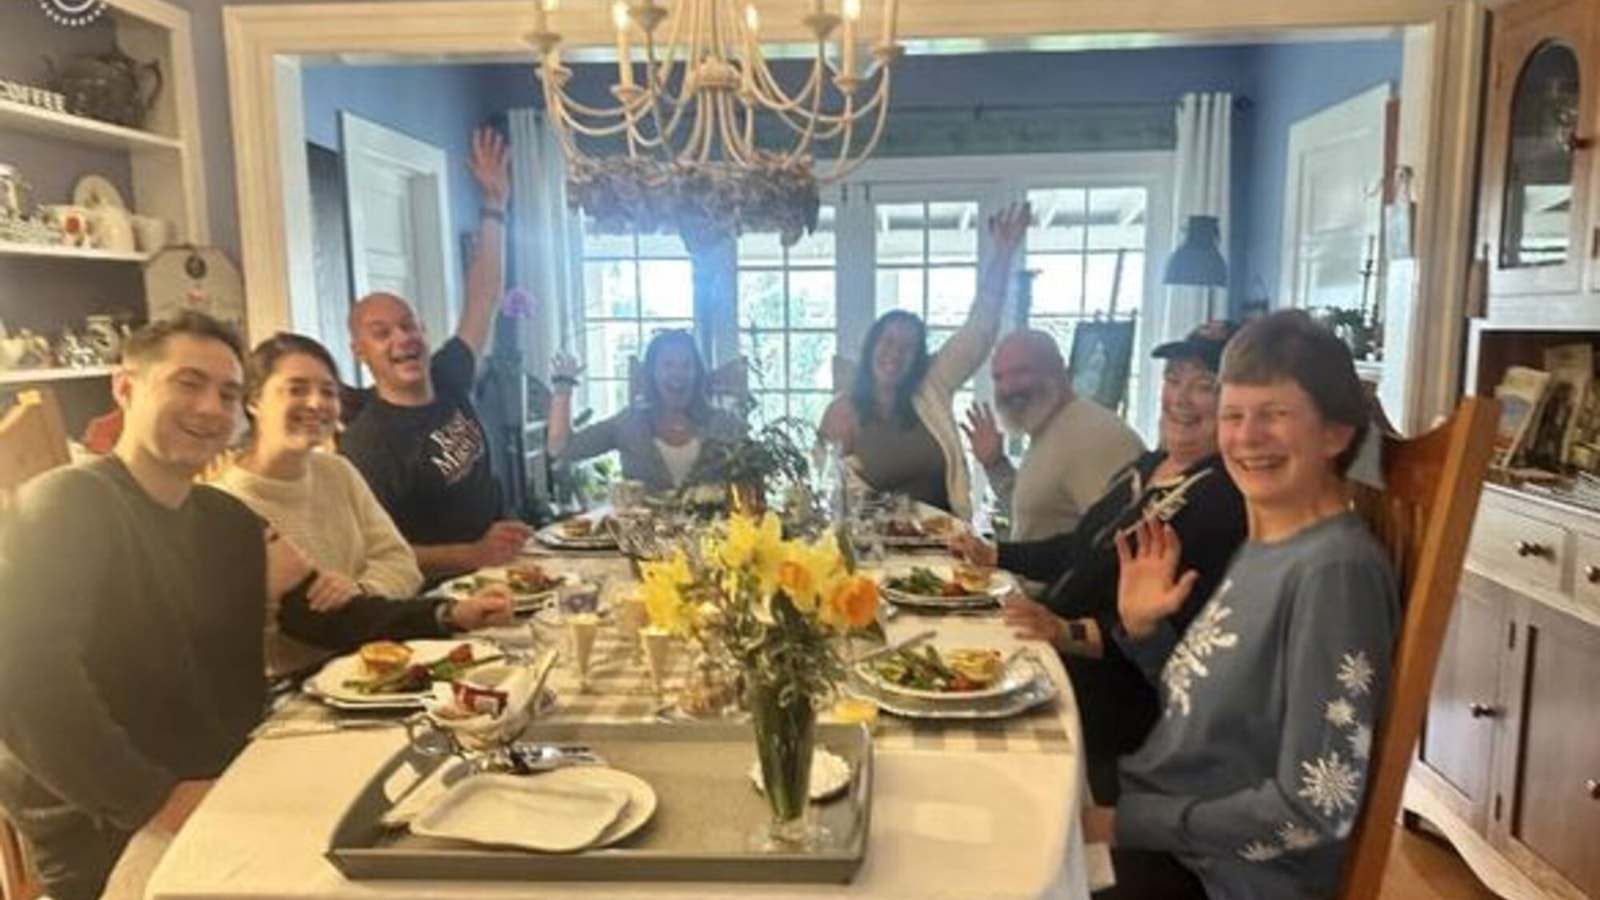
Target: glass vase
pixel 785 733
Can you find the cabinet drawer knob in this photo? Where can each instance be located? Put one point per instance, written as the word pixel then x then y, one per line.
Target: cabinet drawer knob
pixel 1593 787
pixel 1591 574
pixel 1482 710
pixel 1536 550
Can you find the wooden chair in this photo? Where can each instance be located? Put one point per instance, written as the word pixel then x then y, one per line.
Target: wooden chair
pixel 32 440
pixel 1423 516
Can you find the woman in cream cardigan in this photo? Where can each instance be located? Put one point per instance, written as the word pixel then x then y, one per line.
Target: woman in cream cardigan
pixel 896 426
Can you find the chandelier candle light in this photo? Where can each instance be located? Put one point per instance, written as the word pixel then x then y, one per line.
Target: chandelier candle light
pixel 682 149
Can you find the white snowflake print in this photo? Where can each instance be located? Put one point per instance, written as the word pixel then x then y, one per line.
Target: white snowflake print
pixel 1360 741
pixel 1297 837
pixel 1329 783
pixel 1260 851
pixel 1187 662
pixel 1355 673
pixel 1343 827
pixel 1340 713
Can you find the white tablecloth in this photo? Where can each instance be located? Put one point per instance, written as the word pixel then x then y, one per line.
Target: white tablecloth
pixel 944 823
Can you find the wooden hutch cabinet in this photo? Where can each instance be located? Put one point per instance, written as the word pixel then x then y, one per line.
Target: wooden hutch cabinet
pixel 1509 762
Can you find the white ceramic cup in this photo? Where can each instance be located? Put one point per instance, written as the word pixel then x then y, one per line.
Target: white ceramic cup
pixel 151 234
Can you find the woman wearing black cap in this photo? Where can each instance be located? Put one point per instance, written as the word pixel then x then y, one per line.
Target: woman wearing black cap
pixel 1183 483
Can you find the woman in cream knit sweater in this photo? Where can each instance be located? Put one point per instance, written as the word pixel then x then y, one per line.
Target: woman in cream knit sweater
pixel 316 499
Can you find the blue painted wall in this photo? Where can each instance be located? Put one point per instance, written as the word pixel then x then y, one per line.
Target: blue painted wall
pixel 1292 81
pixel 436 104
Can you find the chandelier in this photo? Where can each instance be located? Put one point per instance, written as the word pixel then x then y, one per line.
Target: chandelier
pixel 702 138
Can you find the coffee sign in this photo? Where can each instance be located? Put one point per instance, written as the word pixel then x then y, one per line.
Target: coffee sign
pixel 28 95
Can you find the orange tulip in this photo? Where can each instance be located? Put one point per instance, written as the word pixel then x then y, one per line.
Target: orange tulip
pixel 855 600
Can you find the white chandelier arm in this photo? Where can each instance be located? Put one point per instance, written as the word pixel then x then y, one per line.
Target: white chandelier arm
pixel 844 167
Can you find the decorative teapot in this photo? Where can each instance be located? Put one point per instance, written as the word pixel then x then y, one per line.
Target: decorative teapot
pixel 109 87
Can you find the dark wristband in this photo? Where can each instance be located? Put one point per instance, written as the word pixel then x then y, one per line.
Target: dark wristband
pixel 489 212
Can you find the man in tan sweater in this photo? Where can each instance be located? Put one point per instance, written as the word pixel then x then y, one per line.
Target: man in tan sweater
pixel 1074 444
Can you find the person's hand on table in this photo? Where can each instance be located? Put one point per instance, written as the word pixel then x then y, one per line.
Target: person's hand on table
pixel 489 605
pixel 1031 620
pixel 1100 825
pixel 330 590
pixel 969 548
pixel 180 805
pixel 502 543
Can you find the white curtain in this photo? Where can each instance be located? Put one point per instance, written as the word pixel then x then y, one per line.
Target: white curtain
pixel 544 246
pixel 1200 186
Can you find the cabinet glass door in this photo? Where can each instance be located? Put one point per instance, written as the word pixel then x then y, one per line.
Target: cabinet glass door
pixel 1537 227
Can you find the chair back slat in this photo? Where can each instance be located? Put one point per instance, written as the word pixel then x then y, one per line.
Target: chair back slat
pixel 1423 517
pixel 33 440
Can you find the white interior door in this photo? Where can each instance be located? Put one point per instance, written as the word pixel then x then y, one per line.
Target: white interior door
pixel 399 220
pixel 1333 205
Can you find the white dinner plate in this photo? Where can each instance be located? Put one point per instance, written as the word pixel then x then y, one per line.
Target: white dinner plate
pixel 553 535
pixel 1017 675
pixel 532 813
pixel 998 587
pixel 521 601
pixel 328 683
pixel 1038 691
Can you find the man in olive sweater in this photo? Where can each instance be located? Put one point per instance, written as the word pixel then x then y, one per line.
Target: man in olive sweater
pixel 131 617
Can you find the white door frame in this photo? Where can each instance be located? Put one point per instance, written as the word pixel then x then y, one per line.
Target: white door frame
pixel 437 285
pixel 259 36
pixel 1346 116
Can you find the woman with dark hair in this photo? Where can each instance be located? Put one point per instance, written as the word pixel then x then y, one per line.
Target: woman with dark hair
pixel 895 426
pixel 666 435
pixel 322 506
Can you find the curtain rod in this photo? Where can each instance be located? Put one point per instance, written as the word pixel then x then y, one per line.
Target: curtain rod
pixel 1240 104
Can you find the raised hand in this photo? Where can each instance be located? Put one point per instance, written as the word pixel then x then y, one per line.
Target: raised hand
pixel 988 444
pixel 1007 228
pixel 490 605
pixel 491 167
pixel 970 548
pixel 1148 585
pixel 564 370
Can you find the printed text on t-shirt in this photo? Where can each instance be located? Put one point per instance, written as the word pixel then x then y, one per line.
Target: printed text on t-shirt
pixel 459 443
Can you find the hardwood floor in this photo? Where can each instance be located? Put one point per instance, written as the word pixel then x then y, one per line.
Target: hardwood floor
pixel 1423 867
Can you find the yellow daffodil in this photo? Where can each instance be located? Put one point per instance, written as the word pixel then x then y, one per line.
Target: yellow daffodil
pixel 809 571
pixel 852 603
pixel 663 591
pixel 756 547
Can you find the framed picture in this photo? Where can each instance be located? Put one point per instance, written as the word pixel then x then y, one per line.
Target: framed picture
pixel 1101 355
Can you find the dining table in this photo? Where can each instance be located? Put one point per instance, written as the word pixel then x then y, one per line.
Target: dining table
pixel 960 809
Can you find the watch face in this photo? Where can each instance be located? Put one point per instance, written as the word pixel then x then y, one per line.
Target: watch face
pixel 1077 631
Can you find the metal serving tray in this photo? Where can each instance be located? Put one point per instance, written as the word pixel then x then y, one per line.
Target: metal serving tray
pixel 707 814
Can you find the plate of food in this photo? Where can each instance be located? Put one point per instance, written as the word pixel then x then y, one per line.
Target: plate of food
pixel 944 586
pixel 389 674
pixel 955 674
pixel 579 533
pixel 931 530
pixel 1038 691
pixel 532 586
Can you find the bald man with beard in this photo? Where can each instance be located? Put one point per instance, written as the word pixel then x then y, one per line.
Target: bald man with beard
pixel 417 439
pixel 1074 444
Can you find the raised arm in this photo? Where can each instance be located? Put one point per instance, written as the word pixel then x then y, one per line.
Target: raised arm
pixel 965 351
pixel 486 275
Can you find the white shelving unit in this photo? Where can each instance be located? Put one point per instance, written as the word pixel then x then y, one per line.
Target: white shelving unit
pixel 87 253
pixel 48 123
pixel 34 376
pixel 164 156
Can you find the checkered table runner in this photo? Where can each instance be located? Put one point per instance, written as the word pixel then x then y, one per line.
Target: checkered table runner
pixel 619 689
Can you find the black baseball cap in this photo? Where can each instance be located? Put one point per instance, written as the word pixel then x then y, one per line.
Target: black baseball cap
pixel 1204 344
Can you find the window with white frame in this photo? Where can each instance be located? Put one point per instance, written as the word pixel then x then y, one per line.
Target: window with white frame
pixel 1087 245
pixel 633 287
pixel 788 320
